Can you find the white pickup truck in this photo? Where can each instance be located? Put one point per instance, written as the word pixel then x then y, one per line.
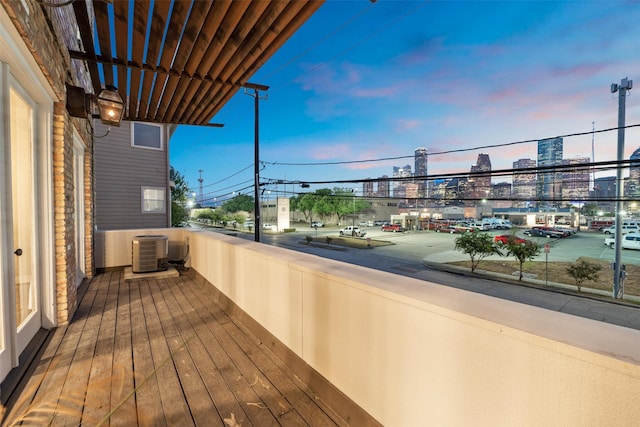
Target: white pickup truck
pixel 352 231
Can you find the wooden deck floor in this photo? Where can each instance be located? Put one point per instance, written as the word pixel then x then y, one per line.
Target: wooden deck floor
pixel 161 352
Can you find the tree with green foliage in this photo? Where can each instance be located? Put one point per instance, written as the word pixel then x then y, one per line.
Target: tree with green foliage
pixel 478 246
pixel 241 202
pixel 522 251
pixel 590 209
pixel 583 271
pixel 179 193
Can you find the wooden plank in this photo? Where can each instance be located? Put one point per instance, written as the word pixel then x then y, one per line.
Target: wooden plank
pixel 299 394
pixel 141 14
pixel 98 393
pixel 104 38
pixel 239 374
pixel 148 405
pixel 175 407
pixel 154 43
pixel 122 380
pixel 121 17
pixel 196 89
pixel 200 403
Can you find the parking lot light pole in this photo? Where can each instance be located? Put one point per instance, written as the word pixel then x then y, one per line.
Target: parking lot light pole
pixel 353 217
pixel 624 86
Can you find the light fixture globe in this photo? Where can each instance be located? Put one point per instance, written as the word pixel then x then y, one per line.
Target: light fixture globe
pixel 110 106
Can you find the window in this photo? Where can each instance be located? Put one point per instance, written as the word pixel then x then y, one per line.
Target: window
pixel 146 135
pixel 153 200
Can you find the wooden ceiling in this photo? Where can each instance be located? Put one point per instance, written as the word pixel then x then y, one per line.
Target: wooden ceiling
pixel 181 61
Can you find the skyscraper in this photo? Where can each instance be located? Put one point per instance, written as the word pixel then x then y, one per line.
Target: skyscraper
pixel 398 186
pixel 633 185
pixel 575 182
pixel 548 183
pixel 421 160
pixel 479 184
pixel 524 183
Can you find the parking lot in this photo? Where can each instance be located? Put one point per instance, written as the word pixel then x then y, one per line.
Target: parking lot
pixel 415 245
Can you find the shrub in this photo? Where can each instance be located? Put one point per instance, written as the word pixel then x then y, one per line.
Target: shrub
pixel 328 239
pixel 309 239
pixel 583 271
pixel 521 252
pixel 478 246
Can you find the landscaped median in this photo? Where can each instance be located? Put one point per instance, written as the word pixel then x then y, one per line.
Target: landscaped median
pixel 334 242
pixel 551 275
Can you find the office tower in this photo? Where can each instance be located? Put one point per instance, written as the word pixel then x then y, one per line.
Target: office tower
pixel 398 186
pixel 575 182
pixel 501 191
pixel 421 160
pixel 633 184
pixel 479 184
pixel 383 186
pixel 524 183
pixel 367 189
pixel 549 180
pixel 454 192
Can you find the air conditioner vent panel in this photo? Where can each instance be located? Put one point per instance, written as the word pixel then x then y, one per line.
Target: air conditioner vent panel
pixel 150 253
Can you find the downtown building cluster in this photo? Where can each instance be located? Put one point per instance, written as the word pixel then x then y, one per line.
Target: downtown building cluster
pixel 548 181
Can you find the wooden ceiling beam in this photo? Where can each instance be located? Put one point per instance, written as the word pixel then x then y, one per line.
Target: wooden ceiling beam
pixel 86 35
pixel 159 15
pixel 197 16
pixel 140 16
pixel 220 39
pixel 121 25
pixel 203 43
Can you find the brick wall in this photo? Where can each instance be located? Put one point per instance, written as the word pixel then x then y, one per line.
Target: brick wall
pixel 44 31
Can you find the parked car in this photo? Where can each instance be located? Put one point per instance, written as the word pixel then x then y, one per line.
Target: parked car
pixel 392 227
pixel 447 229
pixel 352 231
pixel 317 224
pixel 504 239
pixel 267 226
pixel 625 229
pixel 542 232
pixel 629 241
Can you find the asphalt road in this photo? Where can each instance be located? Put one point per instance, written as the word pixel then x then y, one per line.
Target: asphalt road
pixel 406 257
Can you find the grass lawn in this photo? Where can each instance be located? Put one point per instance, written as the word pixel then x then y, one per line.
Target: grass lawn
pixel 558 273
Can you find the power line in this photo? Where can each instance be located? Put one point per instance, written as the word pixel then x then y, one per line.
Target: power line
pixel 459 150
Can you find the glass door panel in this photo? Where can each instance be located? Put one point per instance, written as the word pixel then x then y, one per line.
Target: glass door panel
pixel 22 195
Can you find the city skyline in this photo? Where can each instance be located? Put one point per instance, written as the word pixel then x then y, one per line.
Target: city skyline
pixel 373 81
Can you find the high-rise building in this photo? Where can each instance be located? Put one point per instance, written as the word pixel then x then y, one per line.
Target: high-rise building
pixel 367 189
pixel 383 186
pixel 548 183
pixel 421 159
pixel 501 191
pixel 398 186
pixel 633 184
pixel 575 182
pixel 523 190
pixel 479 184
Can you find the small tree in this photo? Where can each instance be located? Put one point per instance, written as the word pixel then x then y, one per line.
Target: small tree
pixel 522 251
pixel 583 271
pixel 478 246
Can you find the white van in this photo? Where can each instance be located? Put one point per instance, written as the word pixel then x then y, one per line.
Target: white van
pixel 625 229
pixel 631 241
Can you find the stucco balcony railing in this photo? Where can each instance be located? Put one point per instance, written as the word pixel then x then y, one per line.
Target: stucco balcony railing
pixel 380 348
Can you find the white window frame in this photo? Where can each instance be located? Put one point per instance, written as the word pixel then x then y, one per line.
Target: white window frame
pixel 144 147
pixel 163 203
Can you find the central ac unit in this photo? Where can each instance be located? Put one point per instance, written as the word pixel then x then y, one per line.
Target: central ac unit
pixel 150 253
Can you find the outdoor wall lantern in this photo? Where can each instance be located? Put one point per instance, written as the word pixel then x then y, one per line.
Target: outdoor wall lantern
pixel 109 102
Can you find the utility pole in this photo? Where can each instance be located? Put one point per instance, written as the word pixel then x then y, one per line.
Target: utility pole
pixel 201 180
pixel 256 158
pixel 618 284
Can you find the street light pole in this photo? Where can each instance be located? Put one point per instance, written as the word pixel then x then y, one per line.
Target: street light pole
pixel 256 157
pixel 624 86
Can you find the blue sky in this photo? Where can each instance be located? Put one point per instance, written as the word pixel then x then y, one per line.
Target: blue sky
pixel 364 80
